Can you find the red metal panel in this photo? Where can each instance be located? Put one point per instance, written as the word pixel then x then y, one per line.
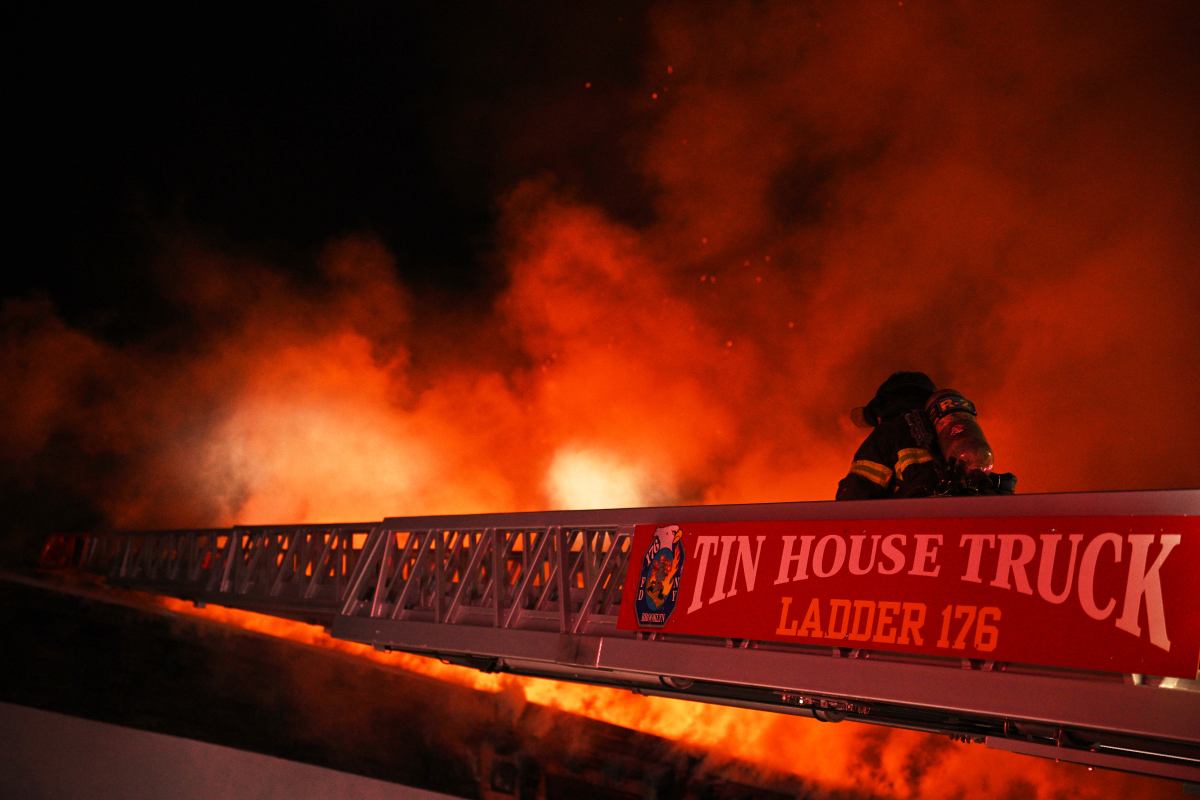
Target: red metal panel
pixel 1110 593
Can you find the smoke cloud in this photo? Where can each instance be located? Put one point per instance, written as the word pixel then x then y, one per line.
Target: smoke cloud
pixel 1000 198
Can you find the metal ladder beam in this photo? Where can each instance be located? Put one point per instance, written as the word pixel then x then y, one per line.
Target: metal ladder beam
pixel 539 593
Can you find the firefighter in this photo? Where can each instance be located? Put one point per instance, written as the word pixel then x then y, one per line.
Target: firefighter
pixel 891 462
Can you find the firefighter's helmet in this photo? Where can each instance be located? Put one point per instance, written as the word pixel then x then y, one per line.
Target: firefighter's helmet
pixel 910 389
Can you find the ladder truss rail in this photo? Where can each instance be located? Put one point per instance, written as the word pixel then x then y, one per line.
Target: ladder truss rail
pixel 317 564
pixel 548 577
pixel 536 594
pixel 565 579
pixel 292 570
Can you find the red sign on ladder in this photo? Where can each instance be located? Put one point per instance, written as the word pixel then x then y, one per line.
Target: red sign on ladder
pixel 1116 594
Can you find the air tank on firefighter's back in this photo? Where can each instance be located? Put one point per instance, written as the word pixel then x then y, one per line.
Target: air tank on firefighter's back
pixel 958 433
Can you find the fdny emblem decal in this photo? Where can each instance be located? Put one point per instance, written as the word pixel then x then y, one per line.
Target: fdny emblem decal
pixel 662 569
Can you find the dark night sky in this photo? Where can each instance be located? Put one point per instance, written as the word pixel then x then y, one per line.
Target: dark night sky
pixel 270 133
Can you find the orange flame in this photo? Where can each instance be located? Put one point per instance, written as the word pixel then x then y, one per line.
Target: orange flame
pixel 845 756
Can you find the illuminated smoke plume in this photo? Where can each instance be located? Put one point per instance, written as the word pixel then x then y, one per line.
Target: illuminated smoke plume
pixel 1002 196
pixel 999 197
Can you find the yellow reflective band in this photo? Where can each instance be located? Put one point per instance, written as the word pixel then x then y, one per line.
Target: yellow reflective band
pixel 875 473
pixel 910 456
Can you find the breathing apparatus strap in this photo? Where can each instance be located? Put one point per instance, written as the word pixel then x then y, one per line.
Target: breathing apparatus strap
pixel 919 430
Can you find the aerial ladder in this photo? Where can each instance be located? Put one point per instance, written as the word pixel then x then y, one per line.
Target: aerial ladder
pixel 1059 625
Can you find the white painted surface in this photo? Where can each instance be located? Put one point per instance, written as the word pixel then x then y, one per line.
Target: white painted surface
pixel 49 755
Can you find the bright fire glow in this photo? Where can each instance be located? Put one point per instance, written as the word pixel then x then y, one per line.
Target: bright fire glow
pixel 587 479
pixel 844 756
